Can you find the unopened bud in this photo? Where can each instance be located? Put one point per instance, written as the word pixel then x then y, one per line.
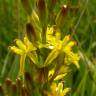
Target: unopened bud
pixel 18 85
pixel 24 91
pixel 8 84
pixel 31 32
pixel 29 82
pixel 14 89
pixel 42 11
pixel 61 16
pixel 33 27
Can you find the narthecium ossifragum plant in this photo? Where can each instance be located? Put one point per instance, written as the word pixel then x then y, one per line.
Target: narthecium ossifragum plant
pixel 49 54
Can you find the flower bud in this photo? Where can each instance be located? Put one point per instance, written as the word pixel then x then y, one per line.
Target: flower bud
pixel 8 84
pixel 14 89
pixel 18 85
pixel 61 16
pixel 28 81
pixel 31 32
pixel 24 91
pixel 33 27
pixel 42 11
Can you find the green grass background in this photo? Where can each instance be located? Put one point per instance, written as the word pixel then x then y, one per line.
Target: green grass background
pixel 82 22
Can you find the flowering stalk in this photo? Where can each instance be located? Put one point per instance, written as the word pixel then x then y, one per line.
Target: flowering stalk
pixel 49 54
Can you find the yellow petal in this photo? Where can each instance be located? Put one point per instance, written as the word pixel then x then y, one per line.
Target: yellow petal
pixel 33 16
pixel 65 91
pixel 61 76
pixel 66 40
pixel 28 44
pixel 50 74
pixel 60 88
pixel 20 44
pixel 33 56
pixel 63 69
pixel 77 64
pixel 59 45
pixel 58 34
pixel 68 46
pixel 75 59
pixel 50 30
pixel 16 50
pixel 53 87
pixel 72 58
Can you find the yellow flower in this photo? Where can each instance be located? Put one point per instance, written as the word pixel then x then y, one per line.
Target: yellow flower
pixel 72 58
pixel 23 49
pixel 57 90
pixel 62 72
pixel 64 46
pixel 52 35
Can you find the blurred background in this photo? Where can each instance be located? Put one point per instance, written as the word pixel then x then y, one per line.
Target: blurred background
pixel 81 23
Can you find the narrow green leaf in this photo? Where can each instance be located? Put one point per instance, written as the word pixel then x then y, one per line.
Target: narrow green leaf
pixel 54 53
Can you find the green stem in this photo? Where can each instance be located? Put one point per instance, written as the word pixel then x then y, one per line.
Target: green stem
pixel 44 35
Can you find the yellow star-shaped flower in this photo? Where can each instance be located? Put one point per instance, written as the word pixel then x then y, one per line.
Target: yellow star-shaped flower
pixel 58 46
pixel 57 90
pixel 24 49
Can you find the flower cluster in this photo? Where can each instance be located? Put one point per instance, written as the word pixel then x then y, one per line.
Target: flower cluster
pixel 44 47
pixel 54 43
